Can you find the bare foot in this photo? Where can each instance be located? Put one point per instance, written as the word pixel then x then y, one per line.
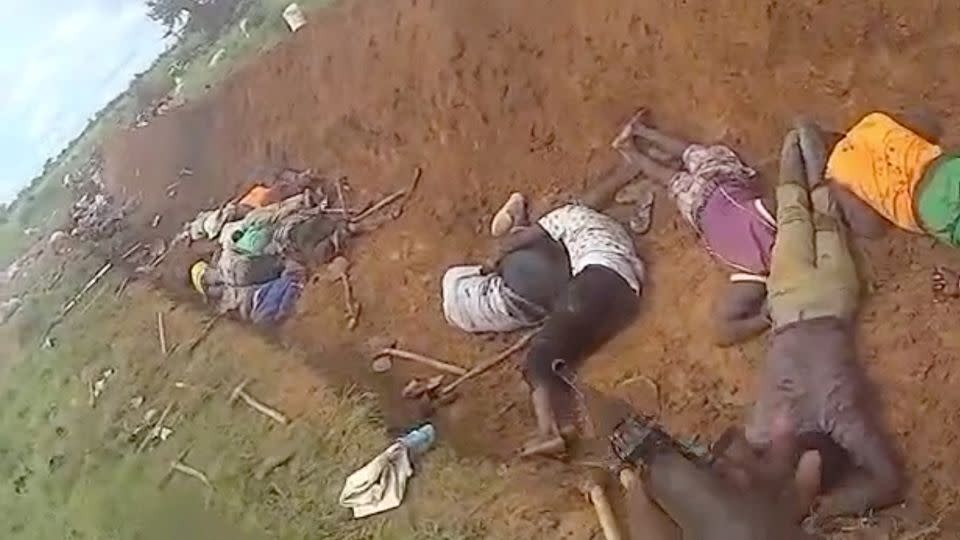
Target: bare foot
pixel 512 214
pixel 624 140
pixel 945 283
pixel 544 446
pixel 814 151
pixel 791 161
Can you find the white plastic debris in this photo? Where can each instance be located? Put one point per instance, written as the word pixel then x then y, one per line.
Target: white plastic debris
pixel 217 57
pixel 294 17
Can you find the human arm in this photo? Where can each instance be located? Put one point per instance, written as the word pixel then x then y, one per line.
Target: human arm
pixel 517 239
pixel 740 313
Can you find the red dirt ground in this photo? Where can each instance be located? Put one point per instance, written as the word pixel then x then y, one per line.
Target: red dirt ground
pixel 490 97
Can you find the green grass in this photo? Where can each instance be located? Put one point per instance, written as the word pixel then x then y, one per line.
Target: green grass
pixel 266 29
pixel 45 204
pixel 71 470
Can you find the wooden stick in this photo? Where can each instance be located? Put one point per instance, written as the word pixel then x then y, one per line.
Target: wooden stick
pixel 483 367
pixel 601 505
pixel 380 204
pixel 155 430
pixel 90 284
pixel 345 208
pixel 203 333
pixel 93 300
pixel 421 359
pixel 136 247
pixel 179 466
pixel 353 311
pixel 162 334
pixel 122 287
pixel 417 174
pixel 156 262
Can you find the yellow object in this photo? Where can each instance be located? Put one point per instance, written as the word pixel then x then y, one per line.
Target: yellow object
pixel 196 276
pixel 882 162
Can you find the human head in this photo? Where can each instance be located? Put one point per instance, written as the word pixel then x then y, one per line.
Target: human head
pixel 923 121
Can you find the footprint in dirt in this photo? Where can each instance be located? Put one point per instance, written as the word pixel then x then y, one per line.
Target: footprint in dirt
pixel 55 462
pixel 20 484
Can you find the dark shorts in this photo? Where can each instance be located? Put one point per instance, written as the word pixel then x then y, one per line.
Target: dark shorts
pixel 537 273
pixel 595 305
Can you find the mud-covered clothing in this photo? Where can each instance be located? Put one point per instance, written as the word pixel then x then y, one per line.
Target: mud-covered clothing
pixel 255 234
pixel 812 376
pixel 938 202
pixel 237 269
pixel 209 223
pixel 477 302
pixel 594 239
pixel 595 305
pixel 812 274
pixel 519 295
pixel 883 163
pixel 266 303
pixel 718 195
pixel 261 195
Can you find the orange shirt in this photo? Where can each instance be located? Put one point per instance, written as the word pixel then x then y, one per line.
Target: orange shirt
pixel 882 162
pixel 258 197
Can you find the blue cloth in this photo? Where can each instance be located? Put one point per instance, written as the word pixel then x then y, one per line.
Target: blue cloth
pixel 276 300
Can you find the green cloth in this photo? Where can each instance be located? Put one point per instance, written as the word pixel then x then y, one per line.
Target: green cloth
pixel 253 239
pixel 938 205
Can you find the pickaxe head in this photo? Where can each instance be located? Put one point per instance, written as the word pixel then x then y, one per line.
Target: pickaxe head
pixel 238 390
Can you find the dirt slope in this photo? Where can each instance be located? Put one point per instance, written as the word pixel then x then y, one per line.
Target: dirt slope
pixel 494 96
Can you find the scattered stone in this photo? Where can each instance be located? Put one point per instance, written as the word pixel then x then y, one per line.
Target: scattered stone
pixel 382 364
pixel 98 386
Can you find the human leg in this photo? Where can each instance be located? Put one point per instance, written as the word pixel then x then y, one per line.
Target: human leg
pixel 600 195
pixel 645 164
pixel 835 265
pixel 794 253
pixel 673 146
pixel 595 305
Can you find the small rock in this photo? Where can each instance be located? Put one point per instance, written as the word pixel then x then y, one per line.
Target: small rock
pixel 382 364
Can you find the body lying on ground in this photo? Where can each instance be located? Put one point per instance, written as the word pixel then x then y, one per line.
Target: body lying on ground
pixel 720 197
pixel 883 171
pixel 267 303
pixel 270 187
pixel 516 291
pixel 811 375
pixel 598 301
